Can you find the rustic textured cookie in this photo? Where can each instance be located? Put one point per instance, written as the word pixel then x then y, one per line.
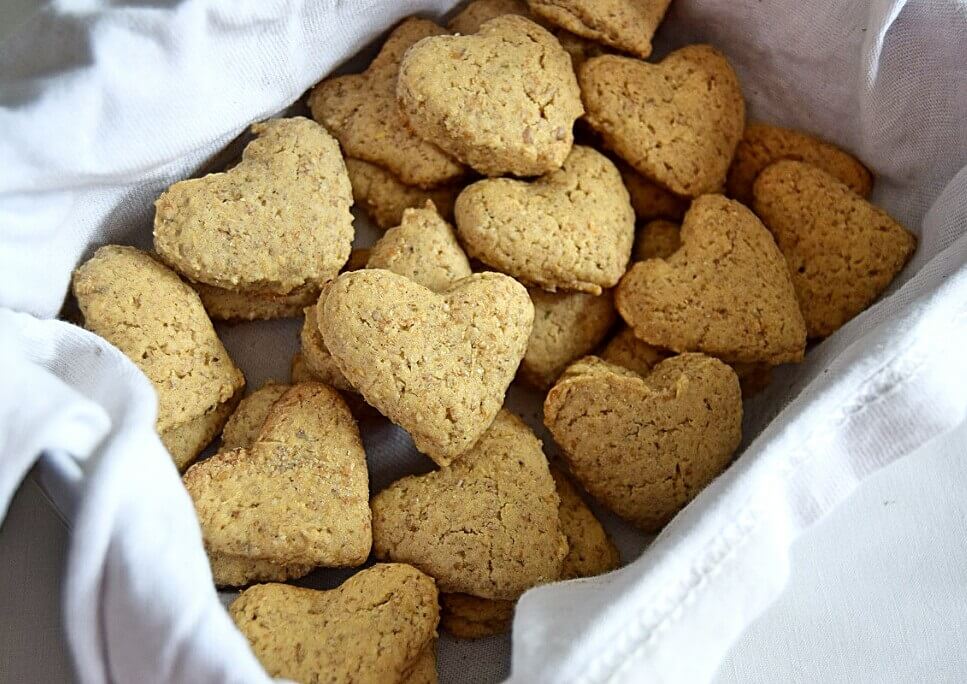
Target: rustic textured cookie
pixel 644 446
pixel 657 239
pixel 842 252
pixel 567 325
pixel 361 111
pixel 233 305
pixel 423 248
pixel 156 320
pixel 626 26
pixel 503 100
pixel 299 371
pixel 571 229
pixel 275 222
pixel 479 12
pixel 238 571
pixel 763 144
pixel 376 627
pixel 244 424
pixel 628 351
pixel 471 617
pixel 383 196
pixel 487 525
pixel 423 671
pixel 315 355
pixel 677 122
pixel 726 292
pixel 297 495
pixel 590 549
pixel 184 442
pixel 650 200
pixel 438 365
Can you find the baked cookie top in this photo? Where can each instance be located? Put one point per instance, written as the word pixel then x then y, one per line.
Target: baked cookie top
pixel 383 196
pixel 626 26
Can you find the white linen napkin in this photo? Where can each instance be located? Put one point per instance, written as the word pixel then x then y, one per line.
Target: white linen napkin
pixel 104 104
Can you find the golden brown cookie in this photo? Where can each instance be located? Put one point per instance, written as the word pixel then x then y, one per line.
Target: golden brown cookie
pixel 238 571
pixel 571 229
pixel 842 251
pixel 644 446
pixel 376 627
pixel 275 222
pixel 590 550
pixel 423 248
pixel 567 325
pixel 628 351
pixel 503 100
pixel 316 357
pixel 472 617
pixel 650 200
pixel 726 292
pixel 297 495
pixel 423 671
pixel 384 197
pixel 361 111
pixel 624 25
pixel 763 144
pixel 479 12
pixel 233 305
pixel 245 423
pixel 436 364
pixel 157 321
pixel 676 122
pixel 487 525
pixel 299 371
pixel 657 239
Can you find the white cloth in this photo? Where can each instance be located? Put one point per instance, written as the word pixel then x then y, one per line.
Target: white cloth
pixel 102 107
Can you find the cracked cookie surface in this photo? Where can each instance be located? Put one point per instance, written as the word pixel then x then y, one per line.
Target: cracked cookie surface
pixel 487 525
pixel 644 446
pixel 503 100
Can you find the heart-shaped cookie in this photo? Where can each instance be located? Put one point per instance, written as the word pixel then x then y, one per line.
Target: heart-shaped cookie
pixel 361 111
pixel 246 422
pixel 384 197
pixel 763 144
pixel 842 252
pixel 378 626
pixel 645 446
pixel 625 26
pixel 628 351
pixel 298 494
pixel 157 321
pixel 238 305
pixel 276 221
pixel 726 292
pixel 503 100
pixel 590 550
pixel 676 122
pixel 657 239
pixel 316 356
pixel 436 364
pixel 567 325
pixel 487 525
pixel 571 229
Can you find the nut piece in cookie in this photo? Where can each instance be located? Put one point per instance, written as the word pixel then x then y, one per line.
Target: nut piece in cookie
pixel 570 230
pixel 233 305
pixel 657 239
pixel 677 122
pixel 471 617
pixel 145 310
pixel 361 111
pixel 726 292
pixel 503 100
pixel 842 251
pixel 763 144
pixel 384 197
pixel 650 200
pixel 567 326
pixel 378 626
pixel 626 25
pixel 297 495
pixel 277 221
pixel 436 364
pixel 590 550
pixel 423 248
pixel 644 446
pixel 487 525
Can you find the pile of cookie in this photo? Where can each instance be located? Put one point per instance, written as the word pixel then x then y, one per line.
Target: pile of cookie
pixel 751 240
